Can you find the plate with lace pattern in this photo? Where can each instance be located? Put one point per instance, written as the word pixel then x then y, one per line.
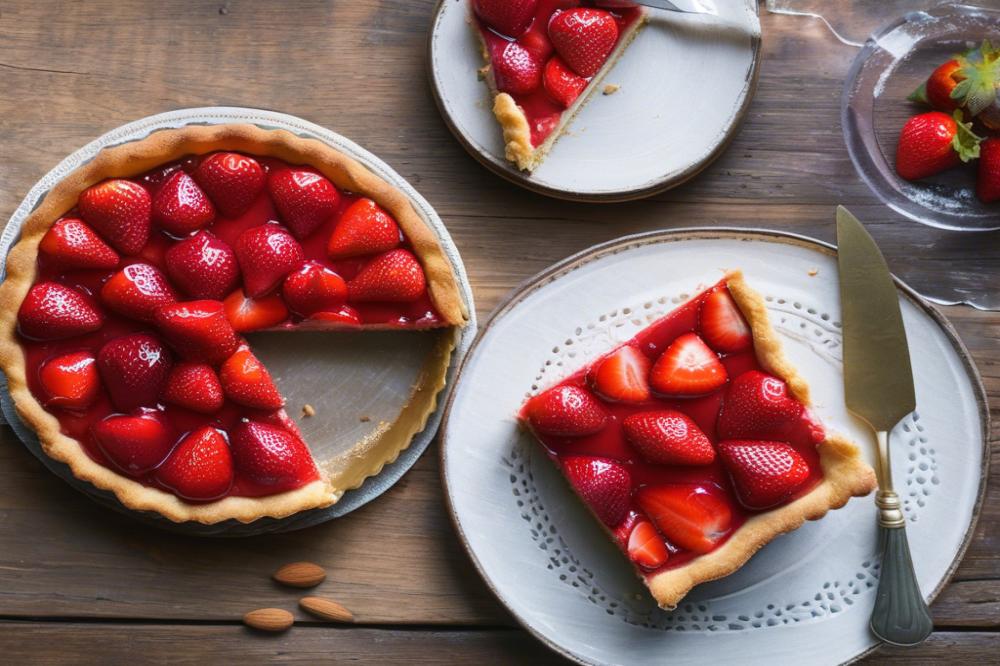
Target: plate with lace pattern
pixel 804 598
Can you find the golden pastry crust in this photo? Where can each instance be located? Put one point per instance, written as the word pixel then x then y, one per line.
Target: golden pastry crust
pixel 165 146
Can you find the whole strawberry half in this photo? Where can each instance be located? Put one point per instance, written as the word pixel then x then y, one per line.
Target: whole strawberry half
pixel 393 277
pixel 764 473
pixel 517 71
pixel 137 290
pixel 933 142
pixel 645 546
pixel 194 386
pixel 937 89
pixel 52 311
pixel 566 411
pixel 200 468
pixel 121 211
pixel 584 37
pixel 271 456
pixel 246 381
pixel 668 437
pixel 561 83
pixel 305 199
pixel 71 243
pixel 313 288
pixel 722 324
pixel 688 367
pixel 508 17
pixel 603 484
pixel 988 180
pixel 134 368
pixel 623 376
pixel 364 228
pixel 135 443
pixel 180 206
pixel 266 254
pixel 203 266
pixel 231 180
pixel 758 406
pixel 70 381
pixel 198 330
pixel 251 314
pixel 692 516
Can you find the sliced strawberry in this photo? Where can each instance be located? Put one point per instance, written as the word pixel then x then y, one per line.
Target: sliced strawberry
pixel 51 311
pixel 722 324
pixel 394 277
pixel 623 376
pixel 566 411
pixel 70 381
pixel 251 314
pixel 687 368
pixel 988 179
pixel 313 288
pixel 305 199
pixel 271 456
pixel 364 228
pixel 134 369
pixel 669 438
pixel 561 83
pixel 70 243
pixel 508 17
pixel 764 473
pixel 180 206
pixel 203 266
pixel 198 330
pixel 121 211
pixel 200 467
pixel 135 443
pixel 517 71
pixel 584 37
pixel 645 546
pixel 232 181
pixel 537 43
pixel 603 484
pixel 137 290
pixel 344 314
pixel 266 254
pixel 246 381
pixel 757 406
pixel 693 516
pixel 194 386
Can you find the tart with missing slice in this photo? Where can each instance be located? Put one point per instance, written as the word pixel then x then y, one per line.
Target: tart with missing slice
pixel 693 444
pixel 128 294
pixel 544 58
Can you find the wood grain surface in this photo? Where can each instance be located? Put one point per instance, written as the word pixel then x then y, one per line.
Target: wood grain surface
pixel 75 579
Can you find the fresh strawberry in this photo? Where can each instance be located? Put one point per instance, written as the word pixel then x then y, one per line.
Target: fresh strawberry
pixel 232 181
pixel 764 473
pixel 271 456
pixel 70 381
pixel 194 386
pixel 757 406
pixel 135 443
pixel 936 90
pixel 251 314
pixel 517 71
pixel 722 324
pixel 364 228
pixel 668 437
pixel 266 254
pixel 988 183
pixel 394 277
pixel 52 311
pixel 344 314
pixel 305 199
pixel 180 206
pixel 603 484
pixel 566 411
pixel 198 330
pixel 70 243
pixel 313 288
pixel 203 266
pixel 645 546
pixel 200 467
pixel 978 89
pixel 561 83
pixel 692 516
pixel 246 381
pixel 933 142
pixel 584 37
pixel 688 367
pixel 134 368
pixel 137 290
pixel 121 211
pixel 623 376
pixel 508 17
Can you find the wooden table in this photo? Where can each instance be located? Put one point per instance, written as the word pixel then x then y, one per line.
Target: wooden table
pixel 80 583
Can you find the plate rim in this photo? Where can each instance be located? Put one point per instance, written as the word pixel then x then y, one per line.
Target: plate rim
pixel 598 251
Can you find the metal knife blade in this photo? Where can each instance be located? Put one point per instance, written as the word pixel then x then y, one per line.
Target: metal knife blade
pixel 685 6
pixel 878 378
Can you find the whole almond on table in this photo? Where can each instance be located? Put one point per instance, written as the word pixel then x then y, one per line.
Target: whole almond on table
pixel 300 574
pixel 269 619
pixel 326 609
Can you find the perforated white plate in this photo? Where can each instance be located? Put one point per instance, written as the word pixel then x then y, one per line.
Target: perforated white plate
pixel 807 596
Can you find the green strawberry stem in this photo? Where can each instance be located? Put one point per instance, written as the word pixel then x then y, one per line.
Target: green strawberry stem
pixel 965 142
pixel 919 95
pixel 980 74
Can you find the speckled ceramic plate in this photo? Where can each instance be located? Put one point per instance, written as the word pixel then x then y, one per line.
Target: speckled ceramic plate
pixel 806 597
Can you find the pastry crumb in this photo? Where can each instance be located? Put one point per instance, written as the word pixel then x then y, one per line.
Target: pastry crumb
pixel 610 88
pixel 308 410
pixel 482 72
pixel 813 272
pixel 365 419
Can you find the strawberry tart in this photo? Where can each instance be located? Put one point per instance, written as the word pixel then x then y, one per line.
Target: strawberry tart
pixel 130 289
pixel 692 443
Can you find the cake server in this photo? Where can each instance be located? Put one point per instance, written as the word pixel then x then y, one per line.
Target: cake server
pixel 878 383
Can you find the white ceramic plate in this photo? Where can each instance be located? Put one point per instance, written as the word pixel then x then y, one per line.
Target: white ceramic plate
pixel 685 82
pixel 342 375
pixel 804 598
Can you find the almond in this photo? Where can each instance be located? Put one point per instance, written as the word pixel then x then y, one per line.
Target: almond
pixel 300 574
pixel 269 619
pixel 326 609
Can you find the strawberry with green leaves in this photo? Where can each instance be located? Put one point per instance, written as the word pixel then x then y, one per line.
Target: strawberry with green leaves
pixel 934 142
pixel 978 88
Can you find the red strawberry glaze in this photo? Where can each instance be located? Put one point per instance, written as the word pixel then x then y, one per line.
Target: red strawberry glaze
pixel 610 442
pixel 542 111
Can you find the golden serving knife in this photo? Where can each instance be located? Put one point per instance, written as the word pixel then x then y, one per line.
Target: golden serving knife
pixel 878 383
